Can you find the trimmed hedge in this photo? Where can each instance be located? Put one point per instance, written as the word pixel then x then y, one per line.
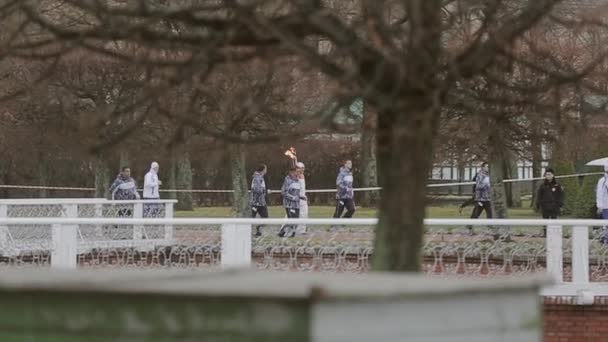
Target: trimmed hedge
pixel 585 201
pixel 570 185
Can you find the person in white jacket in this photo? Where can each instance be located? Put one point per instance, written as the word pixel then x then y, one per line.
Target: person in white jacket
pixel 151 187
pixel 152 183
pixel 304 201
pixel 601 201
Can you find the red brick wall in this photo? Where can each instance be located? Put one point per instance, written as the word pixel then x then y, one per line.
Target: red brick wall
pixel 567 322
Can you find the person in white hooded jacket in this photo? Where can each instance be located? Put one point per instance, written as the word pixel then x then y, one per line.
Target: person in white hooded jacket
pixel 151 187
pixel 601 201
pixel 152 183
pixel 303 202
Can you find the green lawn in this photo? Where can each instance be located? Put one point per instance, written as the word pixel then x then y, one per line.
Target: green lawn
pixel 323 212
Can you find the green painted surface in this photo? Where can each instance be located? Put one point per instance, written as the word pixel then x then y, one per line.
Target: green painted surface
pixel 91 317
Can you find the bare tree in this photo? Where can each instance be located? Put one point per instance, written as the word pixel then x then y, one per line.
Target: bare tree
pixel 398 56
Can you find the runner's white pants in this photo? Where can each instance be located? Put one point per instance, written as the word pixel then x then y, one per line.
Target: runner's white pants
pixel 303 214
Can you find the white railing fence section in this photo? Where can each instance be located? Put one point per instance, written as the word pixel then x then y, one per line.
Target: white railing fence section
pixel 572 253
pixel 61 239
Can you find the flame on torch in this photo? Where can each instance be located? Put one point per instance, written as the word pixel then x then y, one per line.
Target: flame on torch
pixel 293 159
pixel 291 153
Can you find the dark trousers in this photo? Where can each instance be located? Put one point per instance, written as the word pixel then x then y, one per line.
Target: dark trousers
pixel 259 210
pixel 125 213
pixel 480 207
pixel 549 215
pixel 348 204
pixel 289 230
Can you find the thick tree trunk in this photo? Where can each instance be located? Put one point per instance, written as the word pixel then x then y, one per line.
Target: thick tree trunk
pixel 5 173
pixel 516 186
pixel 240 197
pixel 102 177
pixel 184 181
pixel 498 160
pixel 403 174
pixel 6 179
pixel 172 180
pixel 405 141
pixel 368 158
pixel 124 159
pixel 461 169
pixel 43 175
pixel 537 156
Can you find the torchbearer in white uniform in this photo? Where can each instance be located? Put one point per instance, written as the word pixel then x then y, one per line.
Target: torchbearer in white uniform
pixel 303 202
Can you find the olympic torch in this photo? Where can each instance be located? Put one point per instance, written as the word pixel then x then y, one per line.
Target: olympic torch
pixel 293 158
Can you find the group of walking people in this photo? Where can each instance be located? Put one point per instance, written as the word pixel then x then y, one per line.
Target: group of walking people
pixel 549 197
pixel 124 188
pixel 293 193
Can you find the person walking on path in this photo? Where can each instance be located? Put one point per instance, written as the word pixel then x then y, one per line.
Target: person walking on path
pixel 549 197
pixel 124 187
pixel 152 183
pixel 303 202
pixel 483 194
pixel 291 192
pixel 258 196
pixel 601 201
pixel 345 196
pixel 151 190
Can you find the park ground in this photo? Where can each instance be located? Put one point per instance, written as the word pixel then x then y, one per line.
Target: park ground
pixel 448 211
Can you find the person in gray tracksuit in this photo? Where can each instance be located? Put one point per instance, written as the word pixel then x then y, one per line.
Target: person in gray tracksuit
pixel 258 196
pixel 345 196
pixel 483 193
pixel 291 192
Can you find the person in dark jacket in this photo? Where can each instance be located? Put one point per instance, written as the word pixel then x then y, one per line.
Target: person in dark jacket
pixel 124 187
pixel 258 196
pixel 549 197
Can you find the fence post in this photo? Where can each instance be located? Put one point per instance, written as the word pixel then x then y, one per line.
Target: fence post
pixel 3 229
pixel 236 245
pixel 554 258
pixel 99 214
pixel 169 215
pixel 65 241
pixel 138 213
pixel 580 264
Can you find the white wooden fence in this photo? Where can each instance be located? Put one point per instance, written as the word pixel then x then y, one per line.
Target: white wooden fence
pixel 66 240
pixel 236 241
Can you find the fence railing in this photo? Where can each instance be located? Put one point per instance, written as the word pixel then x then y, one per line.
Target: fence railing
pixel 574 252
pixel 41 235
pixel 84 207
